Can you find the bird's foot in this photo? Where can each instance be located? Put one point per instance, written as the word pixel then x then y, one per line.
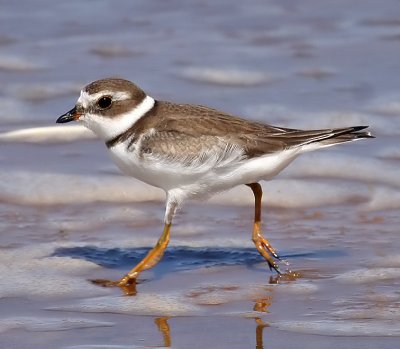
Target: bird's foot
pixel 287 275
pixel 269 253
pixel 127 285
pixel 273 266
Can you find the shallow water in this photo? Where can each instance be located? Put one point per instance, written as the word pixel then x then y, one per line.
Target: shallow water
pixel 67 215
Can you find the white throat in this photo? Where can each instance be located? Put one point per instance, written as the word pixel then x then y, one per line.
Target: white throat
pixel 108 128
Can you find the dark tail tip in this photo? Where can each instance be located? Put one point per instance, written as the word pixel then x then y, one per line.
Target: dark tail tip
pixel 359 128
pixel 355 129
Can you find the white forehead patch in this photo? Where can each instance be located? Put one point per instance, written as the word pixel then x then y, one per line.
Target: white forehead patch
pixel 86 99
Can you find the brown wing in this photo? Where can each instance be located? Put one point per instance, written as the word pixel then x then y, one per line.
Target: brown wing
pixel 188 128
pixel 202 152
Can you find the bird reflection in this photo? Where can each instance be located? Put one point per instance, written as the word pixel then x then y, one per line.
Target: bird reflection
pixel 259 333
pixel 163 327
pixel 261 305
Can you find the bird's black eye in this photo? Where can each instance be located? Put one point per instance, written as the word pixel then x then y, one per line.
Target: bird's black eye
pixel 104 102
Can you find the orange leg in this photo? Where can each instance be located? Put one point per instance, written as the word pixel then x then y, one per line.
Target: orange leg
pixel 262 244
pixel 151 259
pixel 128 282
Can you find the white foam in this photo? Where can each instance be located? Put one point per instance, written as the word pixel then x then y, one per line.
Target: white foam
pixel 388 261
pixel 344 166
pixel 382 312
pixel 283 116
pixel 380 297
pixel 340 328
pixel 47 324
pixel 51 188
pixel 299 288
pixel 297 194
pixel 48 134
pixel 383 199
pixel 371 275
pixel 96 219
pixel 227 76
pixel 147 304
pixel 15 63
pixel 31 272
pixel 39 92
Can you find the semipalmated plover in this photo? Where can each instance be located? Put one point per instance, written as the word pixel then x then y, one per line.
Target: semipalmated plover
pixel 192 151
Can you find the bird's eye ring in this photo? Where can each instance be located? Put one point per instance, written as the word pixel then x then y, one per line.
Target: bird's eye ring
pixel 104 102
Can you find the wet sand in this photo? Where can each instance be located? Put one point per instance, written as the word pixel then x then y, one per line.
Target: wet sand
pixel 217 294
pixel 67 216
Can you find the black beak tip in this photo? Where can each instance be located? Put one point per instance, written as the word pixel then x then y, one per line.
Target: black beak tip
pixel 63 119
pixel 67 117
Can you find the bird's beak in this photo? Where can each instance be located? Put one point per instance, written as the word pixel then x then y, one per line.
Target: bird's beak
pixel 69 116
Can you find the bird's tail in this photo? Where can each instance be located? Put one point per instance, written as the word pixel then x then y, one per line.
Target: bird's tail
pixel 344 135
pixel 316 139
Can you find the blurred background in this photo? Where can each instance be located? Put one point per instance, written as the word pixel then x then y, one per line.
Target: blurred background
pixel 67 215
pixel 271 60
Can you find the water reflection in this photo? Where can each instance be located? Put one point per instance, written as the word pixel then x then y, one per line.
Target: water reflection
pixel 163 327
pixel 259 333
pixel 261 305
pixel 129 289
pixel 260 309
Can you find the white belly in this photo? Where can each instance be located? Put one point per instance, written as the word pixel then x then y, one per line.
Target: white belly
pixel 199 181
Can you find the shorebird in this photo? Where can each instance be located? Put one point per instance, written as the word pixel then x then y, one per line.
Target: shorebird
pixel 192 151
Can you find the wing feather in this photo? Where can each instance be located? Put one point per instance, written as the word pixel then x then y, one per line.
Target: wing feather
pixel 197 135
pixel 201 153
